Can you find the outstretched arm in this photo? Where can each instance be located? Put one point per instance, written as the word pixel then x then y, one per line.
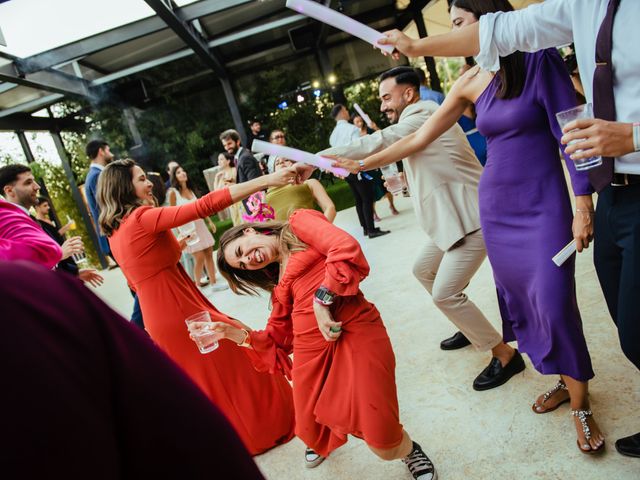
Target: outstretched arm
pixel 441 120
pixel 322 198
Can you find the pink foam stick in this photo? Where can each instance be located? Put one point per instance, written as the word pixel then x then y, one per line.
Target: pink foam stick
pixel 324 163
pixel 364 116
pixel 339 21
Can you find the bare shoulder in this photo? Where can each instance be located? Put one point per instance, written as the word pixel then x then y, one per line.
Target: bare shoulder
pixel 472 82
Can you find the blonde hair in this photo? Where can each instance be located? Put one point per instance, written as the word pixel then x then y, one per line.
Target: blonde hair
pixel 116 195
pixel 250 281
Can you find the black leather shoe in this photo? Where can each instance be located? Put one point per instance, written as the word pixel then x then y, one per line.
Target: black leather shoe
pixel 458 340
pixel 629 446
pixel 495 374
pixel 378 233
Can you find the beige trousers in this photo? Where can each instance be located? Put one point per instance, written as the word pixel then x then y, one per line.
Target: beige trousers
pixel 445 275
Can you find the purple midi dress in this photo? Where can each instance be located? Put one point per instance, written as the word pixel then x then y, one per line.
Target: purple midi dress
pixel 526 217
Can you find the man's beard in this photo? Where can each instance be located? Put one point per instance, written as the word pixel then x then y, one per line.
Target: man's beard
pixel 26 200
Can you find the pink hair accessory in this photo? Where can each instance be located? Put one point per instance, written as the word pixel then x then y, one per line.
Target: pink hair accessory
pixel 260 211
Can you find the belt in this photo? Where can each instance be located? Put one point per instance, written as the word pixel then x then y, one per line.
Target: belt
pixel 624 179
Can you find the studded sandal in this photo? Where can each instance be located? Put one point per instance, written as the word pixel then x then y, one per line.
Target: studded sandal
pixel 547 395
pixel 582 415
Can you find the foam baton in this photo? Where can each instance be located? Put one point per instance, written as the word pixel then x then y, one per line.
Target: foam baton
pixel 258 146
pixel 364 116
pixel 339 21
pixel 564 254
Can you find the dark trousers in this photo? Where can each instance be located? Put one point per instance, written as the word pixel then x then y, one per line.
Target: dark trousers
pixel 617 261
pixel 136 315
pixel 363 193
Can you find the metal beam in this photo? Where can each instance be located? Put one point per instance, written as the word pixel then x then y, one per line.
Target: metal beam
pixel 32 105
pixel 24 121
pixel 187 34
pixel 77 196
pixel 125 33
pixel 49 80
pixel 416 8
pixel 6 86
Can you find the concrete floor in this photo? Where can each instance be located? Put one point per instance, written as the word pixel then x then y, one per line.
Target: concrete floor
pixel 468 434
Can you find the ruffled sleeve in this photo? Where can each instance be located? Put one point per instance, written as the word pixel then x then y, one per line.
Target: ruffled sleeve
pixel 555 93
pixel 345 264
pixel 270 348
pixel 164 218
pixel 22 239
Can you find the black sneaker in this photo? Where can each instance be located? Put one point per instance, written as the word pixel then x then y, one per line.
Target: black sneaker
pixel 419 464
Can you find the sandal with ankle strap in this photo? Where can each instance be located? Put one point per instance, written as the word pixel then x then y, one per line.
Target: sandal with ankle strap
pixel 547 395
pixel 582 415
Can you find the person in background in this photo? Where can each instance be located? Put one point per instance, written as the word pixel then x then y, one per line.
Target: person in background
pixel 159 190
pixel 343 369
pixel 100 155
pixel 289 198
pixel 257 133
pixel 181 193
pixel 170 168
pixel 89 275
pixel 224 177
pixel 116 405
pixel 361 185
pixel 258 405
pixel 379 189
pixel 279 138
pixel 425 92
pixel 247 167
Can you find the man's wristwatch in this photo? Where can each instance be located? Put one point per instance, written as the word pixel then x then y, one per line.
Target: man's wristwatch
pixel 324 296
pixel 360 166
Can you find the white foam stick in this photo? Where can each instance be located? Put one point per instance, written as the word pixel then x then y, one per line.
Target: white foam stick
pixel 339 21
pixel 564 254
pixel 364 116
pixel 258 146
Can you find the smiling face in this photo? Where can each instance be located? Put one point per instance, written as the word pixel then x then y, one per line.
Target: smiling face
pixel 223 161
pixel 461 18
pixel 230 146
pixel 394 98
pixel 282 163
pixel 142 186
pixel 358 122
pixel 181 175
pixel 252 250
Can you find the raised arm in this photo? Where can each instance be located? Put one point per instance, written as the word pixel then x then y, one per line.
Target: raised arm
pixel 22 239
pixel 163 218
pixel 439 122
pixel 322 198
pixel 345 263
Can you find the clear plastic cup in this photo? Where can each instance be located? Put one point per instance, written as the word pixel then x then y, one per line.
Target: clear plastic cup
pixel 395 182
pixel 566 116
pixel 199 326
pixel 188 230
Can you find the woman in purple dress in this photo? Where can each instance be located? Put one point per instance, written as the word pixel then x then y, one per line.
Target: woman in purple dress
pixel 525 210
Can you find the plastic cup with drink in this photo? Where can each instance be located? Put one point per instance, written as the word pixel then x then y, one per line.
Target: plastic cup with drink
pixel 188 230
pixel 72 223
pixel 395 182
pixel 566 116
pixel 200 329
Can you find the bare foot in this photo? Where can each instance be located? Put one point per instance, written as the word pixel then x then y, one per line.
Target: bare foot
pixel 552 399
pixel 596 441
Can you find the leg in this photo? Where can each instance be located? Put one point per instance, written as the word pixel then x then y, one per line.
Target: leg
pixel 579 394
pixel 352 181
pixel 199 266
pixel 376 218
pixel 136 315
pixel 392 207
pixel 209 264
pixel 367 194
pixel 419 465
pixel 401 451
pixel 447 277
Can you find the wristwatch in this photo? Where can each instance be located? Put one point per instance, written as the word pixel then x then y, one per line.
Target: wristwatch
pixel 324 296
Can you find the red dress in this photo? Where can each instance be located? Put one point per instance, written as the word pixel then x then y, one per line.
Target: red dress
pixel 259 405
pixel 343 387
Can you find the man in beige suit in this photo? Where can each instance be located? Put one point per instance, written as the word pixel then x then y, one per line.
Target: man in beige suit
pixel 443 180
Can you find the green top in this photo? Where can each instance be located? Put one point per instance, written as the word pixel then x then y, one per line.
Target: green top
pixel 285 200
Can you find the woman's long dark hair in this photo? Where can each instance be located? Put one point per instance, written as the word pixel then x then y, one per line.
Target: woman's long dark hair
pixel 176 184
pixel 512 72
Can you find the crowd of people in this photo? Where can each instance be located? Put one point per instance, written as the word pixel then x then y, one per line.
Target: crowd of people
pixel 483 169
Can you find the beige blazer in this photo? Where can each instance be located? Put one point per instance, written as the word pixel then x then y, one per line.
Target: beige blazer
pixel 443 178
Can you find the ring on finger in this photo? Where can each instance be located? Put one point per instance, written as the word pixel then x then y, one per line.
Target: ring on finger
pixel 335 329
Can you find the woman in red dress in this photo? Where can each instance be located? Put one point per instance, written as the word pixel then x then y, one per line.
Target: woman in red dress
pixel 343 370
pixel 258 405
